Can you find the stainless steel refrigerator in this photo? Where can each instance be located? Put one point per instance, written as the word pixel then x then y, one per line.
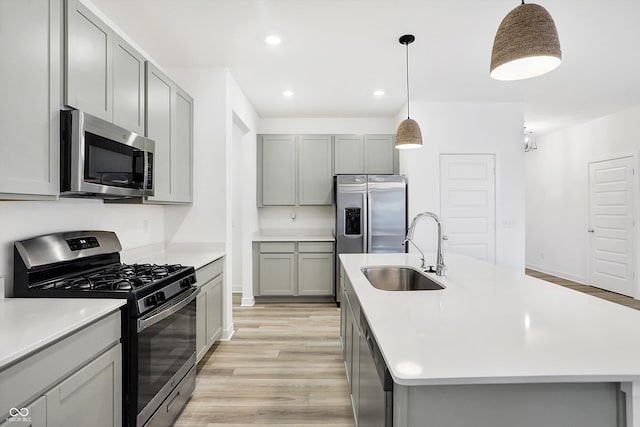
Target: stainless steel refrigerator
pixel 371 216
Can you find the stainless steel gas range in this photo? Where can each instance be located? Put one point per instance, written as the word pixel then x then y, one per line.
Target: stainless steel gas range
pixel 158 322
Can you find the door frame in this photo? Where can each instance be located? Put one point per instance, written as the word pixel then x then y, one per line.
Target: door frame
pixel 496 195
pixel 636 213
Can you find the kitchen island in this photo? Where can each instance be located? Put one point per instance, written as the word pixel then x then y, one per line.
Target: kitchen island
pixel 493 348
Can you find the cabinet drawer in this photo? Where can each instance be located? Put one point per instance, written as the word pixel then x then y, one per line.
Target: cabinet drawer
pixel 277 247
pixel 315 247
pixel 207 272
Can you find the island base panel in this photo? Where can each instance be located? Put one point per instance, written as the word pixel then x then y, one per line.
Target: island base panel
pixel 522 405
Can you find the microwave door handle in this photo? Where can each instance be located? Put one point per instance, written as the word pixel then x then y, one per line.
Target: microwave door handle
pixel 145 322
pixel 145 171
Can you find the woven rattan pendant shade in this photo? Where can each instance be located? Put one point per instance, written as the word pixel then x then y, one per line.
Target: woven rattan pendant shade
pixel 526 44
pixel 408 134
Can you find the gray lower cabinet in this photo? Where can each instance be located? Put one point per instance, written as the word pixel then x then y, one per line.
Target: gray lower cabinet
pixel 30 45
pixel 76 381
pixel 169 122
pixel 277 274
pixel 209 306
pixel 294 170
pixel 365 154
pixel 73 402
pixel 294 269
pixel 351 338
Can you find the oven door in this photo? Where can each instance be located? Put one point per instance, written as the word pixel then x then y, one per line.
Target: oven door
pixel 166 351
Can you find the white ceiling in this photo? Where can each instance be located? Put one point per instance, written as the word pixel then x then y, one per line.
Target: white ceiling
pixel 335 53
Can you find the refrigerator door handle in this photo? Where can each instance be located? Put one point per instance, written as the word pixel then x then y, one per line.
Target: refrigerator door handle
pixel 367 239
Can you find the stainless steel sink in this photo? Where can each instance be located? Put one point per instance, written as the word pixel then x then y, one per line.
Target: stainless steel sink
pixel 390 278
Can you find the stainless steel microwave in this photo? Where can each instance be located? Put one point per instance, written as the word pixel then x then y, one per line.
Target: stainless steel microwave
pixel 103 160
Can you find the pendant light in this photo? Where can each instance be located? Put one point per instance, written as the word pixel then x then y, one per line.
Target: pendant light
pixel 408 134
pixel 526 44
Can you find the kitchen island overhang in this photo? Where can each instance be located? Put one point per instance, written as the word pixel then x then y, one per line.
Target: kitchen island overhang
pixel 492 326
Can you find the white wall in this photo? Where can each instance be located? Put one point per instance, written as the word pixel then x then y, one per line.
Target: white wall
pixel 242 115
pixel 557 180
pixel 470 128
pixel 135 225
pixel 204 221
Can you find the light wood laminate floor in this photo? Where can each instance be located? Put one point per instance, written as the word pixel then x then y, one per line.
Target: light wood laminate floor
pixel 282 367
pixel 591 290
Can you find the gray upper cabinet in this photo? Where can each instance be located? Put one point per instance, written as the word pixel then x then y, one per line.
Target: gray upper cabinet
pixel 294 170
pixel 276 170
pixel 182 143
pixel 365 154
pixel 89 62
pixel 159 107
pixel 128 86
pixel 315 180
pixel 379 154
pixel 104 74
pixel 349 154
pixel 30 45
pixel 169 122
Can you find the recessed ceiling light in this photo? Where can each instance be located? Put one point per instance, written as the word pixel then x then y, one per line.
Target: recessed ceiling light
pixel 378 93
pixel 273 40
pixel 287 93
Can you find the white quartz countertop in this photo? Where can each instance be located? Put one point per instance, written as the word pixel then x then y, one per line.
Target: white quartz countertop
pixel 192 254
pixel 491 325
pixel 29 324
pixel 293 235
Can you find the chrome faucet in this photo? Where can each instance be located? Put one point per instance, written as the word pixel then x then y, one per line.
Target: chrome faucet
pixel 440 267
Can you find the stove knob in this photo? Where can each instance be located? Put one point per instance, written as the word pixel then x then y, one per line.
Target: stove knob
pixel 184 282
pixel 151 300
pixel 160 296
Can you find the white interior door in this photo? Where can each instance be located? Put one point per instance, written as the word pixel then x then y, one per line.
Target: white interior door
pixel 611 225
pixel 468 204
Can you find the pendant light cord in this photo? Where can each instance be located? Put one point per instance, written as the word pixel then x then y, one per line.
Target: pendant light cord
pixel 407 46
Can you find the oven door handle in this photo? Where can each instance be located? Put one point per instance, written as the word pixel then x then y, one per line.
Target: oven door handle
pixel 144 323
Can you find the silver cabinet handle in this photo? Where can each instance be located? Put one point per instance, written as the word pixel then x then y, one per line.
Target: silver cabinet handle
pixel 591 230
pixel 445 237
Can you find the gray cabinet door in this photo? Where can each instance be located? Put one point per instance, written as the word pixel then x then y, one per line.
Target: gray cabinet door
pixel 30 45
pixel 277 274
pixel 214 310
pixel 128 86
pixel 348 154
pixel 89 62
pixel 201 324
pixel 315 274
pixel 315 177
pixel 182 148
pixel 159 109
pixel 379 154
pixel 73 402
pixel 37 411
pixel 277 170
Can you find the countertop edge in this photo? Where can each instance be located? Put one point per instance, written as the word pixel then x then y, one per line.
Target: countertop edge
pixel 39 344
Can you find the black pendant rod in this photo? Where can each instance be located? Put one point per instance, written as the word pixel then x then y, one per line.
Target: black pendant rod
pixel 406 40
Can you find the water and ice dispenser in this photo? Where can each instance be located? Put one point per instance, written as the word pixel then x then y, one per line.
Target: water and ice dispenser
pixel 352 221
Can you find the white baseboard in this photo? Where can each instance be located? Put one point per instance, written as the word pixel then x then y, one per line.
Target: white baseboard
pixel 247 301
pixel 557 273
pixel 227 333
